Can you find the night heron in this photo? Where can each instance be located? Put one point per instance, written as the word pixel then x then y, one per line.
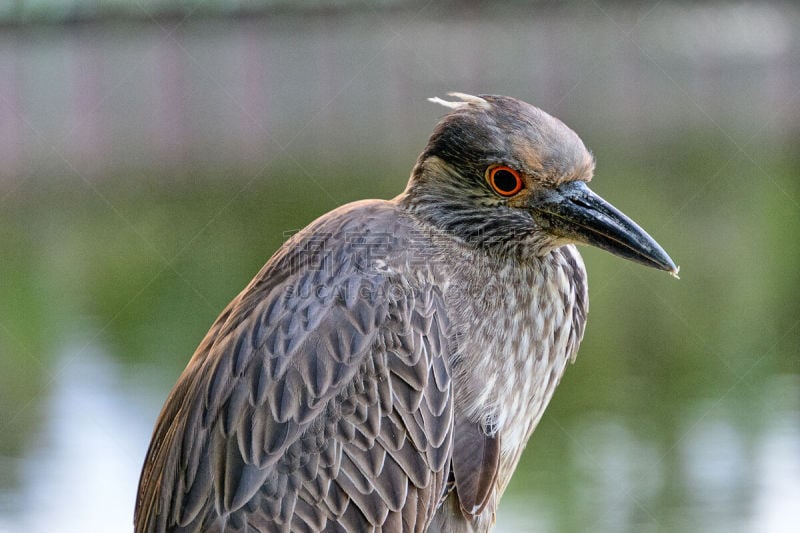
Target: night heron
pixel 385 368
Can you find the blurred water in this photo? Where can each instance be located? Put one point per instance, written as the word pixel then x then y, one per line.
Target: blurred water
pixel 97 428
pixel 82 471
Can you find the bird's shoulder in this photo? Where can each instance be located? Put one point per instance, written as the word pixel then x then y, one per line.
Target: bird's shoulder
pixel 324 380
pixel 367 233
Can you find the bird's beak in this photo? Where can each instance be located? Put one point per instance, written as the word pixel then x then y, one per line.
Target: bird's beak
pixel 572 211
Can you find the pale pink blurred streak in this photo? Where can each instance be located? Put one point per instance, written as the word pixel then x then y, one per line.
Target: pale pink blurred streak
pixel 86 141
pixel 253 62
pixel 11 145
pixel 170 131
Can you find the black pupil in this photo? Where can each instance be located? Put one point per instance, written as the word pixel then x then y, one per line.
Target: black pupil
pixel 505 181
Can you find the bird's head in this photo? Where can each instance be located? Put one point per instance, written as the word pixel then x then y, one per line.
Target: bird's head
pixel 502 174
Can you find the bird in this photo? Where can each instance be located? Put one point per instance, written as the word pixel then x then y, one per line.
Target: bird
pixel 386 367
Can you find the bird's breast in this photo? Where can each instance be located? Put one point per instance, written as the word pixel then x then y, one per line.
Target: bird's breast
pixel 516 332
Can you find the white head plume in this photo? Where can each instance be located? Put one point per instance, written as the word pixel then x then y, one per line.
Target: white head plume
pixel 466 100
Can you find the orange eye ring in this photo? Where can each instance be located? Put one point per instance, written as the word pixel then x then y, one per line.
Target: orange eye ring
pixel 504 180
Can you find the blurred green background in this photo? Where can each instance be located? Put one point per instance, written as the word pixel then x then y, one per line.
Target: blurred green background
pixel 153 155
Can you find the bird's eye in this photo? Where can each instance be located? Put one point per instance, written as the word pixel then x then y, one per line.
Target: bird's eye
pixel 504 180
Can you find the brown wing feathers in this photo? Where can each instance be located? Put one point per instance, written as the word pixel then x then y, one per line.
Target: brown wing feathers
pixel 476 458
pixel 297 418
